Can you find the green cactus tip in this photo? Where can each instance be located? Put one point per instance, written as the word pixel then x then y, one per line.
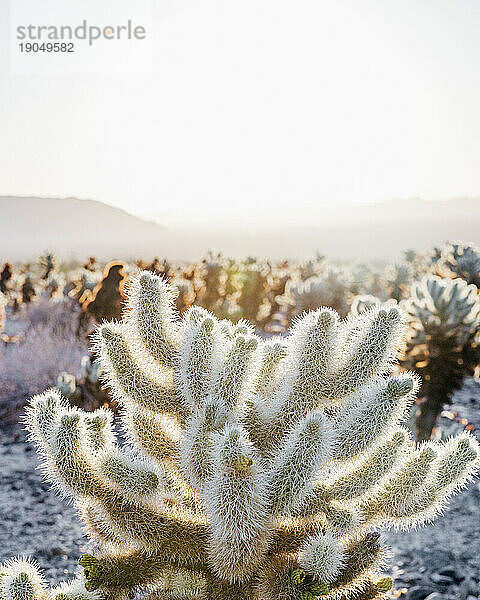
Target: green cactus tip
pixel 384 585
pixel 320 589
pixel 298 576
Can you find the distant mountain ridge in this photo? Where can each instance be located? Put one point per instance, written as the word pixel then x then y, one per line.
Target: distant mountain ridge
pixel 76 228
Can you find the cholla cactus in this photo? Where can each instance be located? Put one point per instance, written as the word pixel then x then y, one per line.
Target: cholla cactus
pixel 53 287
pixel 365 302
pixel 48 262
pixel 418 262
pixel 331 289
pixel 27 289
pixel 82 282
pixel 312 267
pixel 461 260
pixel 5 277
pixel 258 469
pixel 443 342
pixel 252 299
pixel 106 299
pixel 186 294
pixel 212 293
pixel 398 278
pixel 87 392
pixel 67 386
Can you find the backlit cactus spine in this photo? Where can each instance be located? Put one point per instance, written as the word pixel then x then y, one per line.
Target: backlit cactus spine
pixel 257 469
pixel 443 343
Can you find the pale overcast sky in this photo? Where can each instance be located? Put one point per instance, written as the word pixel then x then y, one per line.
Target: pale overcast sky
pixel 258 108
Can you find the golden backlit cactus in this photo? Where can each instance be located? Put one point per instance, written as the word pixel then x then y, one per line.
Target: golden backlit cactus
pixel 255 469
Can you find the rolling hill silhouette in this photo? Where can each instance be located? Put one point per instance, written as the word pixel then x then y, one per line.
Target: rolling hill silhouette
pixel 76 228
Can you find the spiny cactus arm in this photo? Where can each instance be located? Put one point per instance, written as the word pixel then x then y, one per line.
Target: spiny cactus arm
pixel 283 577
pixel 179 532
pixel 237 374
pixel 342 521
pixel 201 354
pixel 361 478
pixel 158 435
pixel 135 477
pixel 76 469
pixel 322 556
pixel 308 364
pixel 167 591
pixel 458 460
pixel 321 506
pixel 20 579
pixel 96 524
pixel 367 589
pixel 372 413
pixel 150 317
pixel 402 488
pixel 220 589
pixel 236 501
pixel 99 426
pixel 197 444
pixel 41 417
pixel 269 377
pixel 306 449
pixel 116 530
pixel 73 590
pixel 362 556
pixel 75 472
pixel 152 388
pixel 120 575
pixel 168 594
pixel 272 354
pixel 178 585
pixel 289 533
pixel 67 457
pixel 369 354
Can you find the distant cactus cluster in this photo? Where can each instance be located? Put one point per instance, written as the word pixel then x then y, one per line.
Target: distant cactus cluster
pixel 398 278
pixel 332 288
pixel 88 391
pixel 271 296
pixel 443 343
pixel 460 260
pixel 255 469
pixel 106 299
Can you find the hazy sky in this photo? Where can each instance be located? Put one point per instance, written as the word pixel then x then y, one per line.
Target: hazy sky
pixel 258 107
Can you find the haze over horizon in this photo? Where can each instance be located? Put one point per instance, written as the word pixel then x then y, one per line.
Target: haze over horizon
pixel 260 111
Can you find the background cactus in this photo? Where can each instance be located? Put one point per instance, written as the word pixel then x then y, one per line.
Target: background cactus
pixel 257 469
pixel 86 391
pixel 460 260
pixel 106 300
pixel 213 284
pixel 5 277
pixel 331 289
pixel 442 343
pixel 398 278
pixel 28 289
pixel 48 263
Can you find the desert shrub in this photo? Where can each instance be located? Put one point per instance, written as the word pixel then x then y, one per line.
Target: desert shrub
pixel 47 344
